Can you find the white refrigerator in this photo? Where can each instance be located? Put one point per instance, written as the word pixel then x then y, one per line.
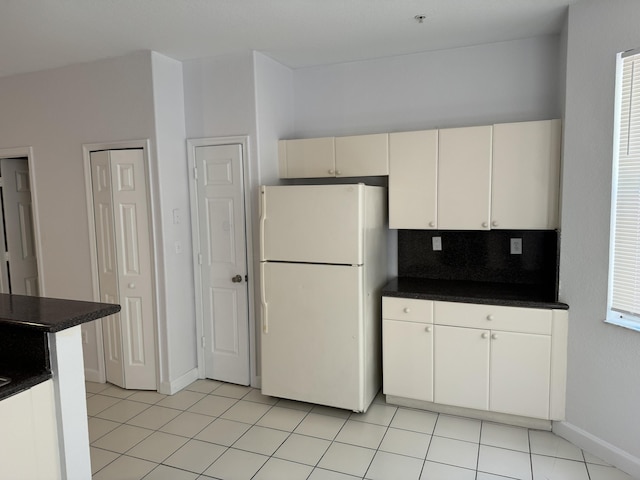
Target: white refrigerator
pixel 323 264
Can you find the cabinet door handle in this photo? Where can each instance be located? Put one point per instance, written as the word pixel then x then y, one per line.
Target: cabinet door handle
pixel 331 172
pixel 494 223
pixel 428 329
pixel 494 336
pixel 338 172
pixel 432 224
pixel 407 310
pixel 485 224
pixel 485 335
pixel 489 317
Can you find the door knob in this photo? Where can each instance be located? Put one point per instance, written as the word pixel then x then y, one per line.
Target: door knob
pixel 236 279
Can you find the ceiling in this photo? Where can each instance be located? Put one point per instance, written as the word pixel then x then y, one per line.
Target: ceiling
pixel 42 34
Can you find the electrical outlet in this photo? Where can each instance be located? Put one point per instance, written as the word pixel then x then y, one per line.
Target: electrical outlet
pixel 516 246
pixel 436 242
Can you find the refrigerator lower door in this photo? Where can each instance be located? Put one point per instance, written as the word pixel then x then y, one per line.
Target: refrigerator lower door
pixel 312 335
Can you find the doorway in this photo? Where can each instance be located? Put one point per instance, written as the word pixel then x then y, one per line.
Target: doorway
pixel 221 235
pixel 123 262
pixel 19 246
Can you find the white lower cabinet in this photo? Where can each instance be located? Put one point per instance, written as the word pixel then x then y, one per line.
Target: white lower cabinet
pixel 461 370
pixel 407 364
pixel 483 357
pixel 408 359
pixel 520 372
pixel 29 442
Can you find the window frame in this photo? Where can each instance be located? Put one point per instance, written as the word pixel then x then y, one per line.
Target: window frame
pixel 616 317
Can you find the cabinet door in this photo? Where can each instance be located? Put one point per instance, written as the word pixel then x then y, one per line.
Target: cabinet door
pixel 407 359
pixel 526 175
pixel 362 155
pixel 520 374
pixel 461 367
pixel 307 158
pixel 413 180
pixel 17 447
pixel 464 178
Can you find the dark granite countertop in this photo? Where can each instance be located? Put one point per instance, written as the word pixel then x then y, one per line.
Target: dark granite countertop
pixel 487 293
pixel 50 314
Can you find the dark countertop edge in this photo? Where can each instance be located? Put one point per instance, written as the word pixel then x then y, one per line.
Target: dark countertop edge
pixel 63 325
pixel 22 383
pixel 50 314
pixel 392 289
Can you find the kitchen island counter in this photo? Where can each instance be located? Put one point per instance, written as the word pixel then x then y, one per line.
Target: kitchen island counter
pixel 486 293
pixel 44 404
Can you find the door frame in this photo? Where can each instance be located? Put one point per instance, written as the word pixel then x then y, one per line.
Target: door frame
pixel 27 152
pixel 192 144
pixel 156 263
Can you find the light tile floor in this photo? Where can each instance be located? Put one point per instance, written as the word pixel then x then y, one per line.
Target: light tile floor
pixel 228 432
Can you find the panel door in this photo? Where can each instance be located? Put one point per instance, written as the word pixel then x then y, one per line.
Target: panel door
pixel 221 218
pixel 362 155
pixel 461 367
pixel 312 333
pixel 313 223
pixel 464 178
pixel 18 222
pixel 107 264
pixel 526 175
pixel 135 280
pixel 407 359
pixel 413 180
pixel 307 158
pixel 520 374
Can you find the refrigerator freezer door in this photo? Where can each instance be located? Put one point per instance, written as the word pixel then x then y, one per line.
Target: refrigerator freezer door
pixel 312 335
pixel 312 223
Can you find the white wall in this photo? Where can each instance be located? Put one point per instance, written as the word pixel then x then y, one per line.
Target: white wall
pixel 55 112
pixel 509 81
pixel 177 334
pixel 603 391
pixel 274 120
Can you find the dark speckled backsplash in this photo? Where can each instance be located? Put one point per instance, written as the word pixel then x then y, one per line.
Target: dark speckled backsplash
pixel 482 256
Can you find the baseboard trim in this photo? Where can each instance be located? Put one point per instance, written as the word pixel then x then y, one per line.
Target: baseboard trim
pixel 598 447
pixel 91 375
pixel 174 386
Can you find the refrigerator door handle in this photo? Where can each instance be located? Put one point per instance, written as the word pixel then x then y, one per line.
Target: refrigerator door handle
pixel 263 219
pixel 263 300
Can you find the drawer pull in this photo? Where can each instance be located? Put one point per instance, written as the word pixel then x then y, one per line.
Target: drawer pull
pixel 406 310
pixel 489 317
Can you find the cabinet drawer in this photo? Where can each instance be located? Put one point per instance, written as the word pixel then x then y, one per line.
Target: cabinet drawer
pixel 494 317
pixel 407 309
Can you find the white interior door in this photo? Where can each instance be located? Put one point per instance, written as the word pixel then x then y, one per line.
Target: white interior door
pixel 223 262
pixel 124 261
pixel 18 219
pixel 107 264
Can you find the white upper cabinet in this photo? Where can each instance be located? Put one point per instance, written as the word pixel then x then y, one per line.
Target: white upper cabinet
pixel 526 175
pixel 307 158
pixel 464 178
pixel 413 180
pixel 362 155
pixel 354 156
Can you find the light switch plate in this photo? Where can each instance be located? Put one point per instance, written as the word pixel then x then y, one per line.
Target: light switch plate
pixel 516 246
pixel 437 243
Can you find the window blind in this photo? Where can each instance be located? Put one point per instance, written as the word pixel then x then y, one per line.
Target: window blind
pixel 625 281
